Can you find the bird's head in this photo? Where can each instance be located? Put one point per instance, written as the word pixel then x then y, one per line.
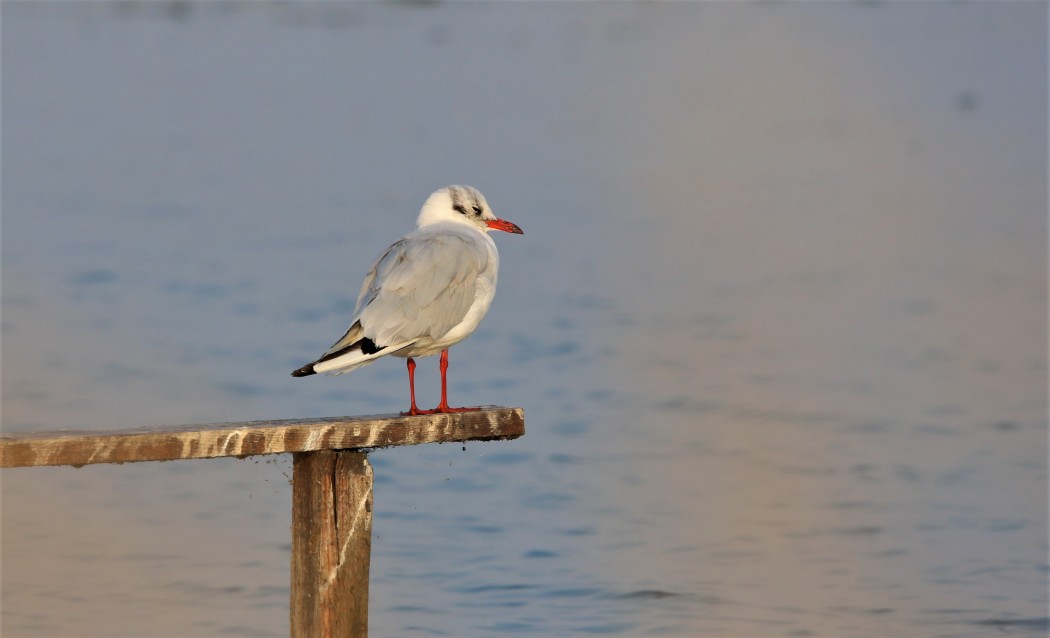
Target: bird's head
pixel 464 205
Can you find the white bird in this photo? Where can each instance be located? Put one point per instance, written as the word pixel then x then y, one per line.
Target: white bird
pixel 426 292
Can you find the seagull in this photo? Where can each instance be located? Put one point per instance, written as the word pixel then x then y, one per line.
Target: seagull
pixel 425 293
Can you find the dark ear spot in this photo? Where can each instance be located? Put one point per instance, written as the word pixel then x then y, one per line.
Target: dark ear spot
pixel 459 208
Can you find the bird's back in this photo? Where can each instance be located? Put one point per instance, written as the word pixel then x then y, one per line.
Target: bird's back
pixel 426 285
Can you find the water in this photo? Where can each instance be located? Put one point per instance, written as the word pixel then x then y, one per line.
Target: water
pixel 778 321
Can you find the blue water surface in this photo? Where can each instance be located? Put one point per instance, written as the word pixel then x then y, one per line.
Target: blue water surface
pixel 778 320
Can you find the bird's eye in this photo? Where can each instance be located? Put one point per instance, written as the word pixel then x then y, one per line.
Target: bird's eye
pixel 477 209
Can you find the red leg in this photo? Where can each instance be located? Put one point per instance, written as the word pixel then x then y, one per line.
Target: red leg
pixel 443 406
pixel 413 411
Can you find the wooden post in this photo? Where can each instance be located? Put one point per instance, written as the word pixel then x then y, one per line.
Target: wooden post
pixel 331 544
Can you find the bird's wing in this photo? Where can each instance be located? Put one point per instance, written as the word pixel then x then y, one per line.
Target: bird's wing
pixel 422 286
pixel 352 335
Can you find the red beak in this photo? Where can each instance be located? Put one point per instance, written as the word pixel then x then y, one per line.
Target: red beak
pixel 504 225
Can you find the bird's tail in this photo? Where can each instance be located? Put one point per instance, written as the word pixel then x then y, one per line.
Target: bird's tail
pixel 350 347
pixel 343 361
pixel 349 358
pixel 305 371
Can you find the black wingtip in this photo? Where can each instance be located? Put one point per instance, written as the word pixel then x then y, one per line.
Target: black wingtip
pixel 305 371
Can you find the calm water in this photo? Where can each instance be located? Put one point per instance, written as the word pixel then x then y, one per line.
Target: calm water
pixel 778 321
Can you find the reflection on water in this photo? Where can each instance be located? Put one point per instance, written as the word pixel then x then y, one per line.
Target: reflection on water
pixel 779 324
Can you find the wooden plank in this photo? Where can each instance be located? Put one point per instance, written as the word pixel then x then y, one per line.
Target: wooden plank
pixel 331 544
pixel 249 438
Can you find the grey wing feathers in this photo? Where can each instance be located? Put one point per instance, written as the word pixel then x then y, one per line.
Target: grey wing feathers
pixel 352 335
pixel 420 287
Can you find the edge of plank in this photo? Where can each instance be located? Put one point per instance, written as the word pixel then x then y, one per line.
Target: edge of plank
pixel 250 438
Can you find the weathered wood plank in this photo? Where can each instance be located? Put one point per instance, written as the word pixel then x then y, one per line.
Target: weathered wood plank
pixel 331 544
pixel 249 438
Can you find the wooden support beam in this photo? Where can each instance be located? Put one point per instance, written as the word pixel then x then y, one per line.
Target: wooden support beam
pixel 169 443
pixel 331 544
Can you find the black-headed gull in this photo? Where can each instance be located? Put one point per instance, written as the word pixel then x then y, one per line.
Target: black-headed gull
pixel 425 293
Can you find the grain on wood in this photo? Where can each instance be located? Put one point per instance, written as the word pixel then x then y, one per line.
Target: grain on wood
pixel 249 438
pixel 331 544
